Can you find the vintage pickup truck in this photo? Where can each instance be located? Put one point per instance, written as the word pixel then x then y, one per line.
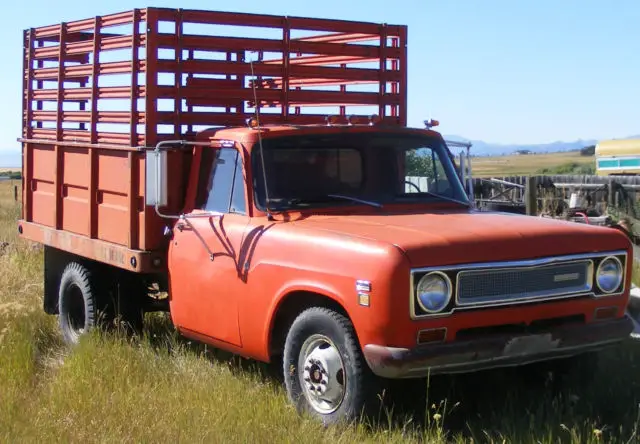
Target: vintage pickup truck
pixel 160 158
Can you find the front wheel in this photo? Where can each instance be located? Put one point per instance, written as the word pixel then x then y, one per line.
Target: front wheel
pixel 324 370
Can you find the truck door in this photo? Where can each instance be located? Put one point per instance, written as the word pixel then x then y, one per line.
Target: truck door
pixel 205 281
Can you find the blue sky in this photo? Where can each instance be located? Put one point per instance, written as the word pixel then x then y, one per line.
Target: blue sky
pixel 492 70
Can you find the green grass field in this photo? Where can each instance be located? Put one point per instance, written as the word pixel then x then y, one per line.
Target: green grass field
pixel 162 388
pixel 516 165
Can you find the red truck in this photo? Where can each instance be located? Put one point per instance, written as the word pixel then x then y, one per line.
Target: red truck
pixel 212 164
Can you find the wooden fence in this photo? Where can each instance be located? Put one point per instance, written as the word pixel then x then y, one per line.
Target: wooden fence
pixel 551 192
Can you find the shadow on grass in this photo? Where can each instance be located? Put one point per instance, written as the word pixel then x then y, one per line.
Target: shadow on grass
pixel 519 402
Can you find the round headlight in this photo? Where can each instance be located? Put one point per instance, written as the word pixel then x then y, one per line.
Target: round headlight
pixel 609 274
pixel 434 292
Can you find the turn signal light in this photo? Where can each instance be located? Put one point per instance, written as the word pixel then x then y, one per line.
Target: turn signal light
pixel 602 313
pixel 432 335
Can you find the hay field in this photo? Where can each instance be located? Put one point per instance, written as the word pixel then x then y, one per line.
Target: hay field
pixel 520 165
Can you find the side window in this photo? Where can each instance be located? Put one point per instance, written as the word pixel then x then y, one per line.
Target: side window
pixel 225 186
pixel 238 198
pixel 424 172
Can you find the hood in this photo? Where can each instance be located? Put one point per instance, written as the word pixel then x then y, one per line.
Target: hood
pixel 444 238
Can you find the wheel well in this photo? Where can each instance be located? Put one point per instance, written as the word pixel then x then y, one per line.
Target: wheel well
pixel 56 260
pixel 290 307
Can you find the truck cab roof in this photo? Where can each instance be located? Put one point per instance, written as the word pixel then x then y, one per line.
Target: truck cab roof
pixel 248 135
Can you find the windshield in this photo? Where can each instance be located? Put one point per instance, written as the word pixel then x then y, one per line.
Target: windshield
pixel 306 171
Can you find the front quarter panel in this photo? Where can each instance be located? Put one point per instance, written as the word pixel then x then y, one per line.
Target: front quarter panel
pixel 288 259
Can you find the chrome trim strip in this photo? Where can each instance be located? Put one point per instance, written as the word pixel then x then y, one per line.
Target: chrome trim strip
pixel 589 279
pixel 526 263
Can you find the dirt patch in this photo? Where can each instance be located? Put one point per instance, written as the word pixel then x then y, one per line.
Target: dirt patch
pixel 4 246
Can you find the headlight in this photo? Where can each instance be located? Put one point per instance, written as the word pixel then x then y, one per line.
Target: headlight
pixel 609 274
pixel 434 292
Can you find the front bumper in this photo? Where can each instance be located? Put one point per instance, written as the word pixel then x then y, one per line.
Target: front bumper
pixel 495 351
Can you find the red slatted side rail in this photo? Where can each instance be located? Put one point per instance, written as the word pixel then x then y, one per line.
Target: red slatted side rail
pixel 145 75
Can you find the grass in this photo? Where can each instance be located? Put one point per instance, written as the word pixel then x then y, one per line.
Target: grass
pixel 521 165
pixel 164 388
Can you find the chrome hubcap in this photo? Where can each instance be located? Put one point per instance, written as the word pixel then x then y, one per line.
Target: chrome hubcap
pixel 323 378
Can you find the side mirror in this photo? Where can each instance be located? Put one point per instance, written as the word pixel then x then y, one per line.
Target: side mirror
pixel 156 184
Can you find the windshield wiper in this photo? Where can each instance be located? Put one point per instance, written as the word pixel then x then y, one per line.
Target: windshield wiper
pixel 355 199
pixel 318 199
pixel 440 196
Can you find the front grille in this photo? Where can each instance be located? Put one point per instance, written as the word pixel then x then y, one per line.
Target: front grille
pixel 525 283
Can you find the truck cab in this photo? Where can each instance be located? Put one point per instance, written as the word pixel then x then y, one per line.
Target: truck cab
pixel 354 251
pixel 342 245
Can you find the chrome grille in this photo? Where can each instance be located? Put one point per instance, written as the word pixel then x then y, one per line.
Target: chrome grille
pixel 524 283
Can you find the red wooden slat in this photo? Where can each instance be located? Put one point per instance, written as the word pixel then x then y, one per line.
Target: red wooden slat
pixel 27 83
pixel 341 37
pixel 85 116
pixel 151 79
pixel 311 82
pixel 82 71
pixel 61 57
pixel 133 118
pixel 75 94
pixel 95 68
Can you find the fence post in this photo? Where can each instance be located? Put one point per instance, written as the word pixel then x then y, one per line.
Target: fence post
pixel 531 195
pixel 611 195
pixel 15 193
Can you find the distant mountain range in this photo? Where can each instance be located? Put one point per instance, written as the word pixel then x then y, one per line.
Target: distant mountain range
pixel 479 148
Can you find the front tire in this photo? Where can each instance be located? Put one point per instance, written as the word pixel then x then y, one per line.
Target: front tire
pixel 324 371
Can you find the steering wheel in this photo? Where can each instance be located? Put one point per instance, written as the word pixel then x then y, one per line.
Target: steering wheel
pixel 413 185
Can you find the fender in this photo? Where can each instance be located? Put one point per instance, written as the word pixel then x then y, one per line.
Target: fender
pixel 310 286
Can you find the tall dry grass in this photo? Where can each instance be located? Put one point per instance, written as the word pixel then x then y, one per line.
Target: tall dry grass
pixel 162 388
pixel 522 165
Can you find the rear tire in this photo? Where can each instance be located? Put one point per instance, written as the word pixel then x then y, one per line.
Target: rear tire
pixel 83 307
pixel 77 302
pixel 324 370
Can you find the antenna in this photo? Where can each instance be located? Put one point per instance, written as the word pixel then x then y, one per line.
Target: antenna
pixel 264 170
